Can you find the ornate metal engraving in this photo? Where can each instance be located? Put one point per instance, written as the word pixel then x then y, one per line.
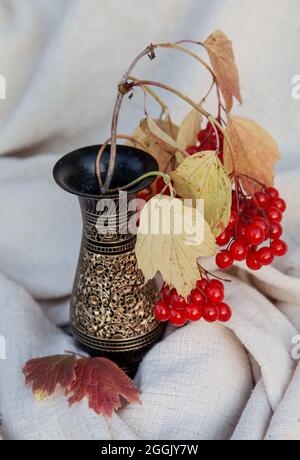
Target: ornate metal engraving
pixel 111 307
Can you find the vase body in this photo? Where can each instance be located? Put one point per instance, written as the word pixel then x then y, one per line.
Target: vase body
pixel 111 305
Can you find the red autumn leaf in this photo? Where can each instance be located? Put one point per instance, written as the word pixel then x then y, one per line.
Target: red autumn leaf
pixel 102 382
pixel 47 373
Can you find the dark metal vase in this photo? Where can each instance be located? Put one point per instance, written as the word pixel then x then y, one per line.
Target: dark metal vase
pixel 111 306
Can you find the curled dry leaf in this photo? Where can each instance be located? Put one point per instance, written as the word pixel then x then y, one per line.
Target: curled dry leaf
pixel 171 237
pixel 187 133
pixel 221 54
pixel 202 176
pixel 159 136
pixel 163 157
pixel 102 382
pixel 255 152
pixel 98 379
pixel 49 372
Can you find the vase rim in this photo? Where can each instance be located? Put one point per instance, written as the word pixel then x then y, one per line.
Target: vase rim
pixel 75 172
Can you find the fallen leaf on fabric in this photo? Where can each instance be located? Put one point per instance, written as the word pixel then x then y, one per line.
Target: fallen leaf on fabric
pixel 49 372
pixel 102 382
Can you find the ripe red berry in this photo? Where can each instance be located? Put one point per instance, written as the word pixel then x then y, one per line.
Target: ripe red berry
pixel 280 204
pixel 265 256
pixel 252 261
pixel 241 232
pixel 202 285
pixel 233 220
pixel 239 250
pixel 255 235
pixel 210 313
pixel 193 312
pixel 165 295
pixel 272 192
pixel 178 301
pixel 162 312
pixel 276 231
pixel 274 214
pixel 215 294
pixel 218 283
pixel 262 200
pixel 224 238
pixel 279 248
pixel 202 135
pixel 262 223
pixel 192 150
pixel 178 317
pixel 224 260
pixel 224 312
pixel 197 297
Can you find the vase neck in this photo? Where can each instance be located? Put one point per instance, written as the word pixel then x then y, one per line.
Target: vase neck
pixel 108 224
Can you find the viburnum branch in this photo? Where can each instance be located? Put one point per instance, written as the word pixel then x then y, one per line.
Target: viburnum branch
pixel 163 105
pixel 106 143
pixel 149 51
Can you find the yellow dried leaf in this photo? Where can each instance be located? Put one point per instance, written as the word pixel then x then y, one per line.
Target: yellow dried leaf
pixel 159 136
pixel 189 129
pixel 187 133
pixel 255 152
pixel 202 176
pixel 171 237
pixel 162 157
pixel 221 54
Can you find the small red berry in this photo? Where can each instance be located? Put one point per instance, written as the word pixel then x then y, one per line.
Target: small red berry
pixel 280 204
pixel 192 150
pixel 233 220
pixel 202 135
pixel 279 248
pixel 272 192
pixel 224 260
pixel 165 295
pixel 241 233
pixel 210 313
pixel 193 312
pixel 218 283
pixel 178 301
pixel 255 235
pixel 252 261
pixel 262 200
pixel 178 317
pixel 262 223
pixel 265 256
pixel 202 285
pixel 276 231
pixel 197 297
pixel 162 312
pixel 224 238
pixel 225 312
pixel 215 294
pixel 274 214
pixel 239 250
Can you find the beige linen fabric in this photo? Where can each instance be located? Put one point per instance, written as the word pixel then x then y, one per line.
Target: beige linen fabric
pixel 62 60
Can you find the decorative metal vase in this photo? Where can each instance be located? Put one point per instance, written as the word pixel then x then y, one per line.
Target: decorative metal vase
pixel 111 306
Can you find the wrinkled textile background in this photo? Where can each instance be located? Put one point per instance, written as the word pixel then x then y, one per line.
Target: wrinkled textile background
pixel 62 60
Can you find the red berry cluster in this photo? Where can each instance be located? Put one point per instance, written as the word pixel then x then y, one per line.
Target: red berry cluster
pixel 254 220
pixel 205 301
pixel 207 140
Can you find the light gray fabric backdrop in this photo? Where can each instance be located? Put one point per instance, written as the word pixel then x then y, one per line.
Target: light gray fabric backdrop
pixel 62 60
